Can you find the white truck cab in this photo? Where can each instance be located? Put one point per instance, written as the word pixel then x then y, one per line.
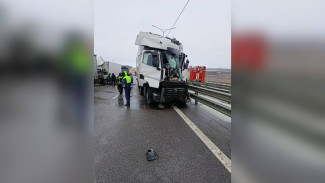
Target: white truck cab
pixel 161 68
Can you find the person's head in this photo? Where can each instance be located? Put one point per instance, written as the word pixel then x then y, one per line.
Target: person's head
pixel 130 73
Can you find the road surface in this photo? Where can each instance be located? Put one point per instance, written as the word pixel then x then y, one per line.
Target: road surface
pixel 124 134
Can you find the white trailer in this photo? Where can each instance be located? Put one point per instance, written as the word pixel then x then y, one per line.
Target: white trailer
pixel 111 67
pixel 114 68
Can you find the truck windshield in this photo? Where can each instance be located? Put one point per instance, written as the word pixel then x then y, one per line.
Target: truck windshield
pixel 173 60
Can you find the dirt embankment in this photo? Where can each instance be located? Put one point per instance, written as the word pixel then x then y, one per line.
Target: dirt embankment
pixel 219 76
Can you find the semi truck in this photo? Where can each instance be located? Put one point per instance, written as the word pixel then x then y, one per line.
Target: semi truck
pixel 160 66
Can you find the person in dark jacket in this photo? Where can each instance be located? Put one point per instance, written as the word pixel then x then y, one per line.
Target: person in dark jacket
pixel 113 80
pixel 109 78
pixel 119 82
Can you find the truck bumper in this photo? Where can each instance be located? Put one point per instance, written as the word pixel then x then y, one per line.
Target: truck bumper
pixel 172 91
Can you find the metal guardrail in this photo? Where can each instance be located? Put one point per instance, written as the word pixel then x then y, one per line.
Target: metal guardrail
pixel 212 85
pixel 217 106
pixel 211 90
pixel 212 93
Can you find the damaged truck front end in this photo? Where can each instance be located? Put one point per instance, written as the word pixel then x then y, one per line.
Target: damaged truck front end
pixel 161 69
pixel 172 91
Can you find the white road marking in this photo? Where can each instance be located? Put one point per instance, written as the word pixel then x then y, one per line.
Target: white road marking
pixel 115 96
pixel 213 148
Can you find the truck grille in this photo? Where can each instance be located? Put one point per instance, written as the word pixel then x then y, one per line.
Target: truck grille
pixel 170 91
pixel 175 90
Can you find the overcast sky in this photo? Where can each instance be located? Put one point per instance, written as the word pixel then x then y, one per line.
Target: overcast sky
pixel 204 28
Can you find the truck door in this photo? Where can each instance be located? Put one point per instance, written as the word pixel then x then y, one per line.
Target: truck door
pixel 150 68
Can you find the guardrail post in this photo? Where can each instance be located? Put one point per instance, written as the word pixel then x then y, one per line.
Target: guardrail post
pixel 197 93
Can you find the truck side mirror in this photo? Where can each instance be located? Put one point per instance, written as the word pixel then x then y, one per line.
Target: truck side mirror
pixel 187 62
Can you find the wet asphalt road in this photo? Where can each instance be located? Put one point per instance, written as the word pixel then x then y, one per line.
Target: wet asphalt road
pixel 123 135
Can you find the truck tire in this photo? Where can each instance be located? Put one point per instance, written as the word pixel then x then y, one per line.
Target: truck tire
pixel 148 95
pixel 140 90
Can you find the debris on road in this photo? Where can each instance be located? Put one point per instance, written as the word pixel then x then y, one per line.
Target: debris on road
pixel 151 155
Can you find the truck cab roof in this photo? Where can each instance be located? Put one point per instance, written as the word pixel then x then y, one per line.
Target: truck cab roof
pixel 157 41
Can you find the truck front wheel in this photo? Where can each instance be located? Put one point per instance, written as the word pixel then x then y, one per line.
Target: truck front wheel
pixel 148 95
pixel 140 90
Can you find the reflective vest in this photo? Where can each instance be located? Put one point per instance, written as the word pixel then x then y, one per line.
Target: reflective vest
pixel 127 78
pixel 79 60
pixel 119 79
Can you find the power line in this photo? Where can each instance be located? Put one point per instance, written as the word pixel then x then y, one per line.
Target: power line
pixel 178 17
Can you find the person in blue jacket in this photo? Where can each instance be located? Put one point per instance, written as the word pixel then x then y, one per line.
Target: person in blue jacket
pixel 127 80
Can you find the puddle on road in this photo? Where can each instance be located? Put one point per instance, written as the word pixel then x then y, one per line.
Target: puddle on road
pixel 120 101
pixel 100 98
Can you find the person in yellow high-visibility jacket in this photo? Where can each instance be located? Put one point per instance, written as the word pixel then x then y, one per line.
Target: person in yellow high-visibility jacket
pixel 130 74
pixel 127 86
pixel 76 68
